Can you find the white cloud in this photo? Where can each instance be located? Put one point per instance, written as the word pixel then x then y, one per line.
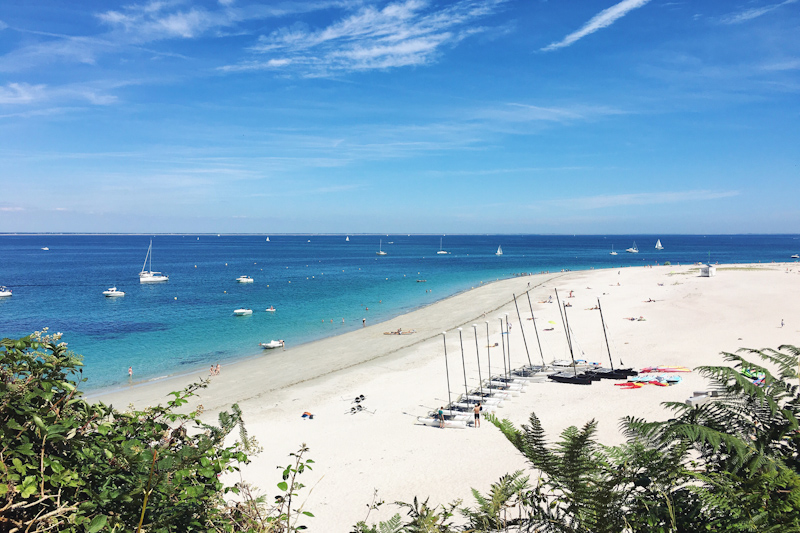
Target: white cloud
pixel 12 209
pixel 755 12
pixel 20 93
pixel 648 198
pixel 405 33
pixel 3 25
pixel 605 18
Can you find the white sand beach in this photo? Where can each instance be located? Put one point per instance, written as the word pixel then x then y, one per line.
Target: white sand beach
pixel 691 320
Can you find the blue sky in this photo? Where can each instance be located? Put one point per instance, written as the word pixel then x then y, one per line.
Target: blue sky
pixel 490 116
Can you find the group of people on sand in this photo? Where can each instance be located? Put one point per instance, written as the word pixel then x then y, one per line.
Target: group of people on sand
pixel 215 370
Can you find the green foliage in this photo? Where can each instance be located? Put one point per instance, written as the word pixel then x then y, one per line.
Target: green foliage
pixel 494 508
pixel 70 465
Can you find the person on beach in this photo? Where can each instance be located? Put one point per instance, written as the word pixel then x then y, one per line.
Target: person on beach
pixel 477 412
pixel 781 322
pixel 211 372
pixel 363 322
pixel 218 370
pixel 441 417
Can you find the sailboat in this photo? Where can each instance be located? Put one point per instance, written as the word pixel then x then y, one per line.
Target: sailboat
pixel 148 276
pixel 612 250
pixel 347 239
pixel 658 245
pixel 380 249
pixel 267 239
pixel 633 249
pixel 499 251
pixel 441 252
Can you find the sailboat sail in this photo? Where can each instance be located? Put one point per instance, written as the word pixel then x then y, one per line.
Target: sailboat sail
pixel 658 245
pixel 499 251
pixel 148 276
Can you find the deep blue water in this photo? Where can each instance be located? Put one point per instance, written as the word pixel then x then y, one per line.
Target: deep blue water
pixel 187 323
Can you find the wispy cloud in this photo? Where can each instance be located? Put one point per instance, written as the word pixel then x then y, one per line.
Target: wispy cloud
pixel 755 12
pixel 605 18
pixel 406 33
pixel 3 25
pixel 20 93
pixel 649 198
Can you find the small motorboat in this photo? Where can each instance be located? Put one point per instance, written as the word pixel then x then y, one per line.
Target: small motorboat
pixel 271 344
pixel 45 248
pixel 4 291
pixel 242 312
pixel 796 256
pixel 270 309
pixel 244 279
pixel 112 292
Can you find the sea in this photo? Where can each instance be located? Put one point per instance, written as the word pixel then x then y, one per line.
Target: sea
pixel 319 285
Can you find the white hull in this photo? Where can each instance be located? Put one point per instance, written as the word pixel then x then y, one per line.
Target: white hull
pixel 152 277
pixel 244 279
pixel 243 312
pixel 457 424
pixel 470 406
pixel 113 293
pixel 658 245
pixel 5 294
pixel 271 345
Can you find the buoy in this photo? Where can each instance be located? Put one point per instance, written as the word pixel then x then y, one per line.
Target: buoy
pixel 176 297
pixel 195 266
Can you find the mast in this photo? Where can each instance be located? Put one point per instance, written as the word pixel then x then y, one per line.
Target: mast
pixel 602 321
pixel 463 364
pixel 503 344
pixel 522 330
pixel 478 353
pixel 533 319
pixel 149 248
pixel 447 370
pixel 566 330
pixel 488 353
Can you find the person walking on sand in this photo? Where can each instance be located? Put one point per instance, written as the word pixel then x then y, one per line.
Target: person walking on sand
pixel 441 417
pixel 211 372
pixel 781 322
pixel 218 370
pixel 477 412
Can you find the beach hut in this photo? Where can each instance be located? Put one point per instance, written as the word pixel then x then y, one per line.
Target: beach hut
pixel 708 271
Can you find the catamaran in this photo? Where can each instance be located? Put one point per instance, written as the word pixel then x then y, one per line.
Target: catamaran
pixel 633 249
pixel 441 252
pixel 658 245
pixel 499 251
pixel 380 249
pixel 148 276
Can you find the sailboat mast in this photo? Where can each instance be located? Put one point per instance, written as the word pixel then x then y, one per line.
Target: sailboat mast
pixel 463 364
pixel 566 331
pixel 533 319
pixel 602 321
pixel 524 340
pixel 478 353
pixel 503 344
pixel 447 371
pixel 488 352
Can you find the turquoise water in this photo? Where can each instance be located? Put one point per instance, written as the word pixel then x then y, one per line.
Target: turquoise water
pixel 187 323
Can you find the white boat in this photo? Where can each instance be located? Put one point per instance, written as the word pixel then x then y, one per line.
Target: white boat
pixel 242 312
pixel 270 309
pixel 271 344
pixel 612 250
pixel 796 256
pixel 112 293
pixel 441 252
pixel 244 279
pixel 347 239
pixel 267 239
pixel 499 251
pixel 45 248
pixel 380 249
pixel 658 245
pixel 633 249
pixel 4 291
pixel 148 276
pixel 429 421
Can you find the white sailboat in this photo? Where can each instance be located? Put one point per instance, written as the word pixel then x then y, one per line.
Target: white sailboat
pixel 148 276
pixel 347 239
pixel 658 245
pixel 612 250
pixel 267 239
pixel 499 251
pixel 633 249
pixel 441 252
pixel 380 249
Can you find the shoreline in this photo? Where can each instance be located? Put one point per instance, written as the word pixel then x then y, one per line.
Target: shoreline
pixel 691 320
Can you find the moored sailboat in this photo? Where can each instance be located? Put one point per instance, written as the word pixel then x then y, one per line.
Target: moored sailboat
pixel 149 276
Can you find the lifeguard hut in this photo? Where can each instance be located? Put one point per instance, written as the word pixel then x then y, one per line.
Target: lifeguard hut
pixel 708 271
